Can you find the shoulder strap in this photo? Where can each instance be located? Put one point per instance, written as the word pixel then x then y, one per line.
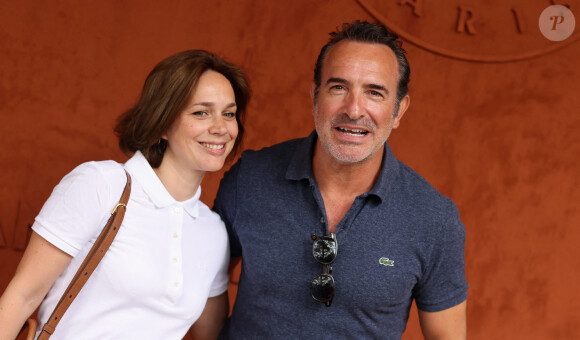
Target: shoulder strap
pixel 93 258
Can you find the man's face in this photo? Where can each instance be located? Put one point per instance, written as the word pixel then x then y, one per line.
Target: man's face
pixel 354 112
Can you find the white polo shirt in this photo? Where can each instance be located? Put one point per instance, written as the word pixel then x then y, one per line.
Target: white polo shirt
pixel 166 260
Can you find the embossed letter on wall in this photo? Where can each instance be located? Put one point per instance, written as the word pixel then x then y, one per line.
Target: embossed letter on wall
pixel 494 31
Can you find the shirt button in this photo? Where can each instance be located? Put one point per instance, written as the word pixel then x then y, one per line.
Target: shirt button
pixel 322 220
pixel 176 284
pixel 174 260
pixel 177 210
pixel 175 235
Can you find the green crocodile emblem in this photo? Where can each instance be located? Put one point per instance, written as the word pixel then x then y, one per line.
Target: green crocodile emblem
pixel 385 261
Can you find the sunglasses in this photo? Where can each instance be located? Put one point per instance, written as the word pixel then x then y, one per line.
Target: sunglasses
pixel 324 250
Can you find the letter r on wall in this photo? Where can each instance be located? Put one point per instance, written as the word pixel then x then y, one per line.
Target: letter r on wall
pixel 465 21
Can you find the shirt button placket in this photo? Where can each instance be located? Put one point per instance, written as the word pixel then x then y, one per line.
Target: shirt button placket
pixel 176 274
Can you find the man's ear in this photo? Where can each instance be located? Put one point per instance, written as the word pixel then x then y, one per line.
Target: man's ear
pixel 403 106
pixel 312 89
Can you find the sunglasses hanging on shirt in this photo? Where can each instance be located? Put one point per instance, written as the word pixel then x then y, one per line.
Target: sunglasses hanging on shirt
pixel 324 250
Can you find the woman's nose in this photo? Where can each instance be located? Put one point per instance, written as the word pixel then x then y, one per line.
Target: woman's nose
pixel 218 126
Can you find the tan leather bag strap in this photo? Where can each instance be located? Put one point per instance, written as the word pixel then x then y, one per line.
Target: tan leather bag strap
pixel 93 258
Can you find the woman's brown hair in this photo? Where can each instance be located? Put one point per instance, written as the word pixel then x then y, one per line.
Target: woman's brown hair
pixel 165 94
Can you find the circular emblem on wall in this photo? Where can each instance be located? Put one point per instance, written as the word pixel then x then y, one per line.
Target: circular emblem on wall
pixel 479 31
pixel 557 23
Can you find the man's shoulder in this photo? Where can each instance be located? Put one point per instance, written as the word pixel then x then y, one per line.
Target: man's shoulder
pixel 421 194
pixel 277 154
pixel 256 171
pixel 275 150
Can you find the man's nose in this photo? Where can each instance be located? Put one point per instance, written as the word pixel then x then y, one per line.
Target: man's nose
pixel 353 106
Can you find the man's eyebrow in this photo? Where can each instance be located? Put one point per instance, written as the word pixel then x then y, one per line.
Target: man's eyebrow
pixel 370 86
pixel 378 87
pixel 336 80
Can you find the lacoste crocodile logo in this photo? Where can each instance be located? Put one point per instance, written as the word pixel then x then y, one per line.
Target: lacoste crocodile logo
pixel 386 262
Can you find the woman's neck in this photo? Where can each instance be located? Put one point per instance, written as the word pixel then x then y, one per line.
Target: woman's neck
pixel 181 185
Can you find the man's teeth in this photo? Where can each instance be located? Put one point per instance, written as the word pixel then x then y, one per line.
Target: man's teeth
pixel 213 146
pixel 353 132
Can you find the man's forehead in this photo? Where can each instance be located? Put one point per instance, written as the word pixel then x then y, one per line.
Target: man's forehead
pixel 361 49
pixel 375 63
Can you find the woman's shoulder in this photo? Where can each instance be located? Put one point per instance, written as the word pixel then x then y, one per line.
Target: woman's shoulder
pixel 107 169
pixel 210 217
pixel 107 175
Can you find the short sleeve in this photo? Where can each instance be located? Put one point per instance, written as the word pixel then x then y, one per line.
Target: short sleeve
pixel 222 279
pixel 225 205
pixel 443 284
pixel 75 211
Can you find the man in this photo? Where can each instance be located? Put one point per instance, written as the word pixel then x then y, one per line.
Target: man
pixel 337 236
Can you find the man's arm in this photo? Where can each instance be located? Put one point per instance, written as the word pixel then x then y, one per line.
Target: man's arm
pixel 448 324
pixel 212 319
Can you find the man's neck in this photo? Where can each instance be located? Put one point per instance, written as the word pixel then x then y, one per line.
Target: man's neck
pixel 345 178
pixel 340 183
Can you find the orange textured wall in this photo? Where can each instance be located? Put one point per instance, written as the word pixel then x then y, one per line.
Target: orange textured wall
pixel 500 139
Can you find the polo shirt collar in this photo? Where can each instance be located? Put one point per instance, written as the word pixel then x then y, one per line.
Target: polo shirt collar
pixel 387 174
pixel 300 167
pixel 142 172
pixel 301 162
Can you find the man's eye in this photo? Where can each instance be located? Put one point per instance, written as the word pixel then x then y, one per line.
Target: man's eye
pixel 337 89
pixel 375 93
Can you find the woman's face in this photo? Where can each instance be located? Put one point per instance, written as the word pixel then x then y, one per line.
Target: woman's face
pixel 205 131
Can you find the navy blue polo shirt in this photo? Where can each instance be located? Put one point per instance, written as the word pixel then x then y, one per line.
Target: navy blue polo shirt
pixel 400 241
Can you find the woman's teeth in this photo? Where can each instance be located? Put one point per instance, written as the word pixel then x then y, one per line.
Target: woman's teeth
pixel 213 146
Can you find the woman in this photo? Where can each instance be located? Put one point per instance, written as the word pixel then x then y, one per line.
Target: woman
pixel 167 267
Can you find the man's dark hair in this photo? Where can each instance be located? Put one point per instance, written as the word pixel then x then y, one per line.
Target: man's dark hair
pixel 363 31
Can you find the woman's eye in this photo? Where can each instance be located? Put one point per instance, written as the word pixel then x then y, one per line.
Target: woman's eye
pixel 229 114
pixel 200 113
